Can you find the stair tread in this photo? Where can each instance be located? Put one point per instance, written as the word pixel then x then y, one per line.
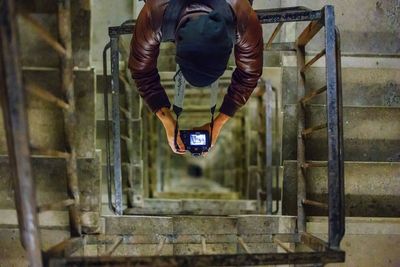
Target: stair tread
pixel 189 225
pixel 228 257
pixel 370 133
pixel 353 162
pixel 51 176
pixel 371 188
pixel 45 120
pixel 200 207
pixel 358 225
pixel 361 86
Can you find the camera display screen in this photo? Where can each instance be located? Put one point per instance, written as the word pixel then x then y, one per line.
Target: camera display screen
pixel 198 140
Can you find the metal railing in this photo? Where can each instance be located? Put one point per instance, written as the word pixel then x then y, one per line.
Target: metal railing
pixel 268 113
pixel 335 172
pixel 14 111
pixel 17 128
pixel 114 167
pixel 319 19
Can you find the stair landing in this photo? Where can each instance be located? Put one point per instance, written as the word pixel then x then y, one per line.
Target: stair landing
pixel 241 240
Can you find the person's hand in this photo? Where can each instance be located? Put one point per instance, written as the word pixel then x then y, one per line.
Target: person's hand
pixel 168 121
pixel 219 122
pixel 170 131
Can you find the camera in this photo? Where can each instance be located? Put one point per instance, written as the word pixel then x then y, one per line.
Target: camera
pixel 196 141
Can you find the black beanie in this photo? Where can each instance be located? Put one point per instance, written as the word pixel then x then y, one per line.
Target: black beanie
pixel 203 47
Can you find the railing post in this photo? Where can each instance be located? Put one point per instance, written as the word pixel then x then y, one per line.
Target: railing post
pixel 301 179
pixel 268 96
pixel 334 186
pixel 340 118
pixel 17 132
pixel 67 80
pixel 116 131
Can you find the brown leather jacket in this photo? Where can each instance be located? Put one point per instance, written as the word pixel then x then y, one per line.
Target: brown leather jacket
pixel 145 50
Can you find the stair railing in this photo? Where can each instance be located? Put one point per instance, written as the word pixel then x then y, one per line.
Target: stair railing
pixel 17 129
pixel 335 172
pixel 18 136
pixel 318 19
pixel 114 166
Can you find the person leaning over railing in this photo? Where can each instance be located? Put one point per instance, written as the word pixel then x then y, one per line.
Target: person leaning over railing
pixel 204 33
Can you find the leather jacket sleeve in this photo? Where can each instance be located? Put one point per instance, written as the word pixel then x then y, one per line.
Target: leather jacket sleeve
pixel 145 48
pixel 249 62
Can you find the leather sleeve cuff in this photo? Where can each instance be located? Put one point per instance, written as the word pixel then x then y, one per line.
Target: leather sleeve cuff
pixel 158 101
pixel 229 107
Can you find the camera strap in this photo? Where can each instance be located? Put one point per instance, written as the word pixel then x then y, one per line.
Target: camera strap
pixel 213 104
pixel 180 86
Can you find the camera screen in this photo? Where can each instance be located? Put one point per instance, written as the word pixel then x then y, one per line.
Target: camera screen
pixel 198 140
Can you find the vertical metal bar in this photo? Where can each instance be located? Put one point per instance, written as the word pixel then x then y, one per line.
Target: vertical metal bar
pixel 340 129
pixel 301 181
pixel 109 173
pixel 333 132
pixel 67 79
pixel 268 146
pixel 17 132
pixel 278 162
pixel 240 183
pixel 132 192
pixel 160 160
pixel 257 173
pixel 116 131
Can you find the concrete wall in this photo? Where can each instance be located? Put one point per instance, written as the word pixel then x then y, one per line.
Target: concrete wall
pixel 106 13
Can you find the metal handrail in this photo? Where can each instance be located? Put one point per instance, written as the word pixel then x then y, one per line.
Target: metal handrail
pixel 109 175
pixel 114 32
pixel 334 110
pixel 269 148
pixel 319 18
pixel 341 142
pixel 12 100
pixel 17 127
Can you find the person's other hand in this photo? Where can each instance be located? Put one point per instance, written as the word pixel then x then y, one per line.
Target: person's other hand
pixel 215 132
pixel 168 121
pixel 219 122
pixel 170 131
